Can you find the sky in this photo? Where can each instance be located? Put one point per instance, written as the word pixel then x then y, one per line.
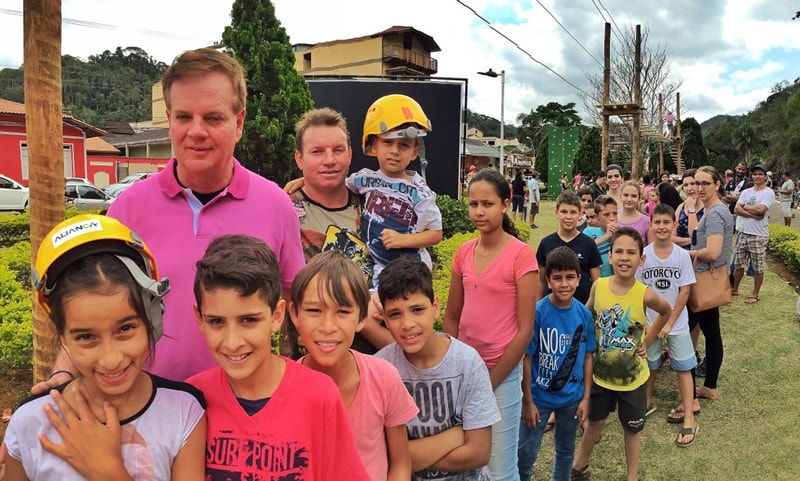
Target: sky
pixel 728 54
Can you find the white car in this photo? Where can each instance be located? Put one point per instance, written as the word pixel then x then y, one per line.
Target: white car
pixel 87 197
pixel 13 195
pixel 115 189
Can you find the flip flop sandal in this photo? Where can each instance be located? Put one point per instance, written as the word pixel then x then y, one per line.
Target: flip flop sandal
pixel 751 300
pixel 687 432
pixel 580 474
pixel 672 419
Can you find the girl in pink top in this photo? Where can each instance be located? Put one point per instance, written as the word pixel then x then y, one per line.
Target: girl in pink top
pixel 491 306
pixel 630 215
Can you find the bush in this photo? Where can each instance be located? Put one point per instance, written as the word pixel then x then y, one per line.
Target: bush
pixel 443 268
pixel 443 254
pixel 14 228
pixel 17 258
pixel 16 328
pixel 455 216
pixel 785 243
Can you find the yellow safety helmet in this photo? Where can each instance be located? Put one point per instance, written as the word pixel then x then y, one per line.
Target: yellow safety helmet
pixel 388 113
pixel 89 234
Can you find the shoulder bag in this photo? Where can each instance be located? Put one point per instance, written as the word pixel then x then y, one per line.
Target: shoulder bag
pixel 713 289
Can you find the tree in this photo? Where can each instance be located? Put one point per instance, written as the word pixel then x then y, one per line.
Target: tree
pixel 587 159
pixel 744 138
pixel 693 151
pixel 554 113
pixel 276 94
pixel 654 78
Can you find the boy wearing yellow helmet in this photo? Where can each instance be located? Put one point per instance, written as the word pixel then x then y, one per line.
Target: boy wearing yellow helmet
pixel 400 216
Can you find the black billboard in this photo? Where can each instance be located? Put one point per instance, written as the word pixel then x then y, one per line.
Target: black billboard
pixel 442 102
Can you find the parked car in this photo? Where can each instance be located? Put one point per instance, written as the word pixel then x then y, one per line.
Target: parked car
pixel 78 180
pixel 86 197
pixel 13 195
pixel 114 189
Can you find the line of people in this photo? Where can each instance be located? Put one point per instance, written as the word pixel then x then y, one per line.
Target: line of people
pixel 198 391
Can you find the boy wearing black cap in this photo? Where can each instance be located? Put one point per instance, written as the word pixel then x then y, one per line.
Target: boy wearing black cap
pixel 753 206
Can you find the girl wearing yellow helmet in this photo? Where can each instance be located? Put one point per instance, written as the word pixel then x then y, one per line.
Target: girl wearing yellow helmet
pixel 98 283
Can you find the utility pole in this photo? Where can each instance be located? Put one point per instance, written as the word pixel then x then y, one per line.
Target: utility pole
pixel 661 131
pixel 678 132
pixel 606 95
pixel 637 100
pixel 45 136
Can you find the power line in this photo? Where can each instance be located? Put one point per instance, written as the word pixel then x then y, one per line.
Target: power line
pixel 611 17
pixel 522 49
pixel 606 20
pixel 106 26
pixel 570 34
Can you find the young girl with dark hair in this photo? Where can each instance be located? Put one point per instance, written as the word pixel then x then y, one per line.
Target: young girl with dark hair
pixel 491 306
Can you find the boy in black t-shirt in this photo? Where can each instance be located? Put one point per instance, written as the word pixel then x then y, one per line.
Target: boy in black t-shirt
pixel 568 213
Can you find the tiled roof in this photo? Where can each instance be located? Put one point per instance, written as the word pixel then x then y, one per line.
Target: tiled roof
pixel 16 108
pixel 9 107
pixel 479 149
pixel 428 41
pixel 155 136
pixel 96 145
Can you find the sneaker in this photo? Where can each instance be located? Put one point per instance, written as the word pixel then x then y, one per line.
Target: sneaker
pixel 700 370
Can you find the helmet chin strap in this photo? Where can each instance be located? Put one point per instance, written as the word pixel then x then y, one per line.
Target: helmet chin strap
pixel 423 162
pixel 153 293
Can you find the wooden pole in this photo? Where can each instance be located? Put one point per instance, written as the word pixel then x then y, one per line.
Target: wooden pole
pixel 660 131
pixel 606 96
pixel 43 117
pixel 637 99
pixel 678 131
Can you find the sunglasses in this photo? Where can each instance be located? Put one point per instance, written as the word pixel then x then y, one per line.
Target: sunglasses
pixel 701 184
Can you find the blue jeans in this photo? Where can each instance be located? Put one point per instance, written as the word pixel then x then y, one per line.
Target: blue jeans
pixel 505 433
pixel 530 440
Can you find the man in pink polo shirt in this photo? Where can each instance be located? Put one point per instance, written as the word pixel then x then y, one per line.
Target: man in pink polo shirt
pixel 203 192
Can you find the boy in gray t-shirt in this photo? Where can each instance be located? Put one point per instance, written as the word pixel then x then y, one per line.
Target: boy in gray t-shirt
pixel 451 436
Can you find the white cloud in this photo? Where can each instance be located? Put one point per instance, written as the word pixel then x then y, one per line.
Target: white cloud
pixel 727 52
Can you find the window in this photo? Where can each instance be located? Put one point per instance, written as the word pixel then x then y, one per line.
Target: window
pixel 68 160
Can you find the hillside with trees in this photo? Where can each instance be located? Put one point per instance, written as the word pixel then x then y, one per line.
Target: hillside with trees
pixel 108 86
pixel 769 134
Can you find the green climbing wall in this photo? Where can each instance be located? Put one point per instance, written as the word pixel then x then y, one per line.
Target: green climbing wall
pixel 562 145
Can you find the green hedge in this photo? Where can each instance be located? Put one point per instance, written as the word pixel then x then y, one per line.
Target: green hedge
pixel 16 327
pixel 443 254
pixel 785 243
pixel 455 216
pixel 14 228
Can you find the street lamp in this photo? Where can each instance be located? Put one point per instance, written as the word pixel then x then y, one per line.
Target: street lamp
pixel 502 75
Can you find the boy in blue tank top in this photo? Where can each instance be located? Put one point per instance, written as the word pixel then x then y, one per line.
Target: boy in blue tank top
pixel 620 370
pixel 557 367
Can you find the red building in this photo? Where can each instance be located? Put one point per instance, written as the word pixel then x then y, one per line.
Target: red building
pixel 14 143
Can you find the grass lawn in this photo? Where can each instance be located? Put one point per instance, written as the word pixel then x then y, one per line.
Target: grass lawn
pixel 749 432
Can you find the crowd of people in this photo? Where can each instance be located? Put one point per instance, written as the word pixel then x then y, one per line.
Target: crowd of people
pixel 166 315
